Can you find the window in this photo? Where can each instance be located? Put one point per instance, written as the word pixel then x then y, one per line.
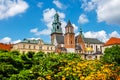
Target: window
pixel 23 46
pixel 96 49
pixel 40 47
pixel 47 48
pixel 51 48
pixel 95 57
pixel 100 48
pixel 57 27
pixel 29 46
pixel 91 46
pixel 34 47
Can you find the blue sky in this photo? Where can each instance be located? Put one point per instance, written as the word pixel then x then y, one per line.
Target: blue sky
pixel 21 19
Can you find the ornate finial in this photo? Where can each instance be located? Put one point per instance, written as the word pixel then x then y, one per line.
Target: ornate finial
pixel 56 17
pixel 69 22
pixel 81 34
pixel 80 30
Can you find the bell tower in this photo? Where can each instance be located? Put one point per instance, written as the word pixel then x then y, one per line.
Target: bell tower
pixel 56 28
pixel 69 37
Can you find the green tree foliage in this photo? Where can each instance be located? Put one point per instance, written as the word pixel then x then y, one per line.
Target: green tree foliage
pixel 112 55
pixel 41 66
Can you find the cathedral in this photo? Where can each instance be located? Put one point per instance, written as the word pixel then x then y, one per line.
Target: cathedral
pixel 89 48
pixel 69 43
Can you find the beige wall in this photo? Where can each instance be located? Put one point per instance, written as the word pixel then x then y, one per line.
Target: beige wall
pixel 24 47
pixel 95 47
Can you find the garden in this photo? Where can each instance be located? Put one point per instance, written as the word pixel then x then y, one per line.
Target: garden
pixel 51 66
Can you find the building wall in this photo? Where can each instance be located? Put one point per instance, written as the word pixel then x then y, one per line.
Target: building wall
pixel 24 48
pixel 79 41
pixel 69 40
pixel 94 47
pixel 70 50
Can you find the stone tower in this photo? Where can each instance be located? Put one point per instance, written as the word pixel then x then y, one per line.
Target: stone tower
pixel 69 38
pixel 56 28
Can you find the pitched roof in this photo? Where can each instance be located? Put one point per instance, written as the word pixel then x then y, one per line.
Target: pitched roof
pixel 92 41
pixel 112 41
pixel 78 47
pixel 69 24
pixel 60 39
pixel 7 47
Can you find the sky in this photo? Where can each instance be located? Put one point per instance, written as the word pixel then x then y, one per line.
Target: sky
pixel 33 19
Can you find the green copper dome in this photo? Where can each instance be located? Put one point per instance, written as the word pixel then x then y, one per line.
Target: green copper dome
pixel 56 25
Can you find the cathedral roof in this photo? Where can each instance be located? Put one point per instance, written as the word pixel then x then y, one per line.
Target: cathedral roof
pixel 60 39
pixel 92 41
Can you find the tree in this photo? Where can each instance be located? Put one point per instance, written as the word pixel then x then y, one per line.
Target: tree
pixel 112 55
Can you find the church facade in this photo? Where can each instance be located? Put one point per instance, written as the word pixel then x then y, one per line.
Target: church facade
pixel 90 48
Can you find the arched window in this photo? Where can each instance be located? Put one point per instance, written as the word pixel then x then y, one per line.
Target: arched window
pixel 57 27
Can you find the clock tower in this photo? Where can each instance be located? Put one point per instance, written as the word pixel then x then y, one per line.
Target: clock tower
pixel 56 28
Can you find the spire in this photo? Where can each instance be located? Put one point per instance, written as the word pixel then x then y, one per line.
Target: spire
pixel 80 30
pixel 69 24
pixel 56 24
pixel 56 17
pixel 81 34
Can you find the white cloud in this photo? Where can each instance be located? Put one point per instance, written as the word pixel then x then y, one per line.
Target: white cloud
pixel 75 28
pixel 33 38
pixel 59 4
pixel 40 4
pixel 34 30
pixel 101 35
pixel 83 19
pixel 88 6
pixel 107 10
pixel 114 34
pixel 5 40
pixel 8 40
pixel 10 8
pixel 48 17
pixel 17 41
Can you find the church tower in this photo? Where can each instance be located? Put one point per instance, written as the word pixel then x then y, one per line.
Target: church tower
pixel 69 38
pixel 80 42
pixel 56 28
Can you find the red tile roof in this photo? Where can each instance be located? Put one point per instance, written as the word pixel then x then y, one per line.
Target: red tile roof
pixel 112 41
pixel 7 47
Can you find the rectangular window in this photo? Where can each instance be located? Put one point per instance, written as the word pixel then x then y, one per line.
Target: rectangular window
pixel 40 47
pixel 34 47
pixel 47 48
pixel 29 46
pixel 23 46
